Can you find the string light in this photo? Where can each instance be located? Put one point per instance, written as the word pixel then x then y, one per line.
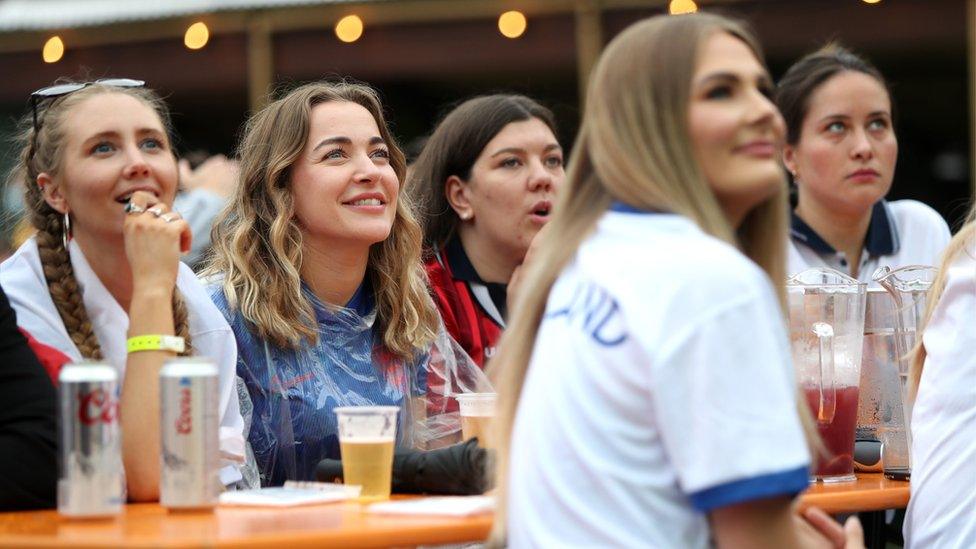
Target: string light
pixel 53 50
pixel 512 24
pixel 349 28
pixel 679 7
pixel 196 36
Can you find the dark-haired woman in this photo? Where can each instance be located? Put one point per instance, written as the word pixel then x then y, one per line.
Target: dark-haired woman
pixel 841 151
pixel 486 180
pixel 101 279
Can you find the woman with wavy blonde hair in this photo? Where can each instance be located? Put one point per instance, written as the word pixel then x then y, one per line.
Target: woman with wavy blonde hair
pixel 101 279
pixel 317 267
pixel 646 392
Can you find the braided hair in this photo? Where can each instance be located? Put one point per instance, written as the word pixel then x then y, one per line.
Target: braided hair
pixel 45 156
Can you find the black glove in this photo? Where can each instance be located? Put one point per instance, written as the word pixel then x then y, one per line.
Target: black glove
pixel 460 469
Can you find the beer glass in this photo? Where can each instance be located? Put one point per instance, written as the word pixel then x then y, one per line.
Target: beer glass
pixel 477 412
pixel 367 435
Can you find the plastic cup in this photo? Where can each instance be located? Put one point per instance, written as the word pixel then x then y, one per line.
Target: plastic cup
pixel 477 413
pixel 367 435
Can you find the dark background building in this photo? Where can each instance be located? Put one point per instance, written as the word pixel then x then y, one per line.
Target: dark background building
pixel 424 55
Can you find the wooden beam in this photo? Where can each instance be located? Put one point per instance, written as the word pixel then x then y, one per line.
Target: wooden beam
pixel 589 41
pixel 260 63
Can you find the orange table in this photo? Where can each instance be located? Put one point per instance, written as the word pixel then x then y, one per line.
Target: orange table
pixel 327 525
pixel 870 492
pixel 335 525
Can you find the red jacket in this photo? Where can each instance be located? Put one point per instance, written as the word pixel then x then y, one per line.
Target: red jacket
pixel 465 303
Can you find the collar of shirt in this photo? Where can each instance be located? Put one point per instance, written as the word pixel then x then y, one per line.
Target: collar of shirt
pixel 359 310
pixel 462 269
pixel 882 237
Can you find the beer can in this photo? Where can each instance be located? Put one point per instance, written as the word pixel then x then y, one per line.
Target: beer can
pixel 190 460
pixel 91 482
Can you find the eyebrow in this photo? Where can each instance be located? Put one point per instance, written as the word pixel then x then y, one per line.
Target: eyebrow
pixel 518 150
pixel 761 78
pixel 116 134
pixel 839 116
pixel 343 140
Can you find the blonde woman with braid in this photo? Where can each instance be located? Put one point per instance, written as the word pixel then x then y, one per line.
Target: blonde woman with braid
pixel 317 267
pixel 648 398
pixel 103 270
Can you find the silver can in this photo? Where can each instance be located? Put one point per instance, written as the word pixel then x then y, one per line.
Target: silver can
pixel 190 460
pixel 91 482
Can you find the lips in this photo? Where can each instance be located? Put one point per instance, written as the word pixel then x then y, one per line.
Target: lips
pixel 540 211
pixel 124 197
pixel 366 200
pixel 864 174
pixel 760 148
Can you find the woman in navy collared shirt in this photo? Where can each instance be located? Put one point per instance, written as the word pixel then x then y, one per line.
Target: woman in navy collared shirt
pixel 841 151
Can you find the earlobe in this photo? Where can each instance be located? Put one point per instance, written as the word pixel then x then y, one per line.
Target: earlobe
pixel 456 192
pixel 51 191
pixel 789 159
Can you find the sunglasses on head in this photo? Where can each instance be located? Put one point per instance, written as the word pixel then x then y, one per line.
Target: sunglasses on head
pixel 60 90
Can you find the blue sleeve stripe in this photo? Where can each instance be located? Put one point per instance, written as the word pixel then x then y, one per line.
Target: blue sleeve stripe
pixel 789 482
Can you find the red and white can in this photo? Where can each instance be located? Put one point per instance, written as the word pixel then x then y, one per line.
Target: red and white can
pixel 91 481
pixel 190 461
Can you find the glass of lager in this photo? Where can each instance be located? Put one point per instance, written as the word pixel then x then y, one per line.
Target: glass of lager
pixel 367 435
pixel 477 411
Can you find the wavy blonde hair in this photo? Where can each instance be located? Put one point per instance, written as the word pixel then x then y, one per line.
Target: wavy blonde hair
pixel 47 156
pixel 257 242
pixel 633 146
pixel 965 236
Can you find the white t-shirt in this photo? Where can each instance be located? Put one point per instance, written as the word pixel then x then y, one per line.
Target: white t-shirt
pixel 942 510
pixel 904 232
pixel 660 388
pixel 23 281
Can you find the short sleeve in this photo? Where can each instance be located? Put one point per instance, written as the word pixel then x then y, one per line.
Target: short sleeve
pixel 725 394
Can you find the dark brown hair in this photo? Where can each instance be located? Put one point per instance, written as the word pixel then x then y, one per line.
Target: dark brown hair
pixel 807 75
pixel 453 149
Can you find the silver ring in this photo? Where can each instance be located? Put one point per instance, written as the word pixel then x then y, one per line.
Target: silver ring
pixel 169 217
pixel 133 208
pixel 155 210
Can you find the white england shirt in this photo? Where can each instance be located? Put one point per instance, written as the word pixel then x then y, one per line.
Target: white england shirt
pixel 904 232
pixel 942 510
pixel 660 388
pixel 23 281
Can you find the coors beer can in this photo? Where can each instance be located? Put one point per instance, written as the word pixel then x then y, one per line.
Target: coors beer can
pixel 91 481
pixel 190 467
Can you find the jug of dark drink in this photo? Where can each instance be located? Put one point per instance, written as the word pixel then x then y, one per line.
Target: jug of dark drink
pixel 826 310
pixel 907 289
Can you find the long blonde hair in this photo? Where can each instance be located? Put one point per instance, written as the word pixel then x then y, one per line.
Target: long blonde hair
pixel 257 243
pixel 633 146
pixel 46 155
pixel 965 236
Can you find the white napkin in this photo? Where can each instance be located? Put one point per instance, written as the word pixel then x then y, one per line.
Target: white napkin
pixel 284 496
pixel 448 506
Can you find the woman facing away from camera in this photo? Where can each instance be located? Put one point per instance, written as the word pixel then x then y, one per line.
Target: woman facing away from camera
pixel 316 265
pixel 942 511
pixel 631 414
pixel 841 150
pixel 102 279
pixel 485 183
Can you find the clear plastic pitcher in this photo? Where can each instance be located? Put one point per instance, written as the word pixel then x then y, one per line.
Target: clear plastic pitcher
pixel 907 290
pixel 880 414
pixel 826 310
